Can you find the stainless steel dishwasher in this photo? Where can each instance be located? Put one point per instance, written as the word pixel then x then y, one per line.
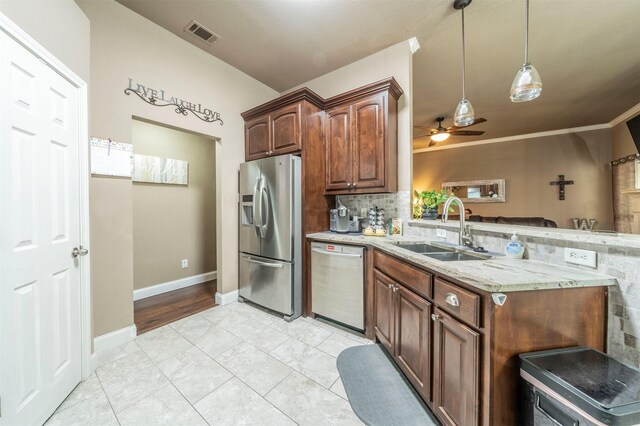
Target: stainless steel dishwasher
pixel 337 283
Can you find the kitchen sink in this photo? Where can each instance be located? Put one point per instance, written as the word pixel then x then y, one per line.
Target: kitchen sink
pixel 445 254
pixel 455 256
pixel 423 248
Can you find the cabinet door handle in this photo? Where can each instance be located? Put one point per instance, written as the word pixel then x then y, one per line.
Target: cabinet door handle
pixel 435 317
pixel 348 184
pixel 452 299
pixel 390 286
pixel 395 288
pixel 354 185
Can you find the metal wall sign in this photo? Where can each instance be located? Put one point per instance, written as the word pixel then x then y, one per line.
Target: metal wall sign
pixel 161 99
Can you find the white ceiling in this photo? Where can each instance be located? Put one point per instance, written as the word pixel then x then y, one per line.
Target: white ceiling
pixel 587 51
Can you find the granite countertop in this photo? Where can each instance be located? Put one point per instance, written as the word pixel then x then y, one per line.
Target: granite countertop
pixel 498 274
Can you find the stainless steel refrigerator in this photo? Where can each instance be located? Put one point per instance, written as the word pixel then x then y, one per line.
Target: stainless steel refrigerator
pixel 270 256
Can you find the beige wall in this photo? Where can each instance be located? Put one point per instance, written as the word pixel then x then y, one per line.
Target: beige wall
pixel 622 141
pixel 395 61
pixel 528 166
pixel 174 222
pixel 59 26
pixel 125 45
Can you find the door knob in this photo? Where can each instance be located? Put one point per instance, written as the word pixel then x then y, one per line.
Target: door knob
pixel 435 317
pixel 79 252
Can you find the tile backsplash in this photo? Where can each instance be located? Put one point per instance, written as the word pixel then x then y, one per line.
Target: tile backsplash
pixel 621 262
pixel 395 204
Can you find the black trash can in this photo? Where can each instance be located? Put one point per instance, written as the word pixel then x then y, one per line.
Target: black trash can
pixel 577 386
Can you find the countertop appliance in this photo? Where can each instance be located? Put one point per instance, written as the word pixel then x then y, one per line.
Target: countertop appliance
pixel 337 283
pixel 578 386
pixel 333 220
pixel 270 240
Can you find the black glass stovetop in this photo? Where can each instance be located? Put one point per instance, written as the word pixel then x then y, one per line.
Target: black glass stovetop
pixel 605 380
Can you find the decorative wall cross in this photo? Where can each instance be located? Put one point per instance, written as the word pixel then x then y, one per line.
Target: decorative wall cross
pixel 561 183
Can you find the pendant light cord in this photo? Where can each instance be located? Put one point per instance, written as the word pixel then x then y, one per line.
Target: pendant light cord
pixel 463 58
pixel 526 36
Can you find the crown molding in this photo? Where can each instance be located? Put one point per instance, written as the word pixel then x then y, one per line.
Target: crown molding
pixel 633 111
pixel 517 137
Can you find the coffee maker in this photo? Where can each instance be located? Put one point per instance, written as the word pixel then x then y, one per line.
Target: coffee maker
pixel 341 215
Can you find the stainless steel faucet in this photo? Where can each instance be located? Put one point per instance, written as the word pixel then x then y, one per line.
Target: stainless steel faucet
pixel 465 237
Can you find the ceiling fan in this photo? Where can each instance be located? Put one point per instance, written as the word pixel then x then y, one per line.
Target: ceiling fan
pixel 440 133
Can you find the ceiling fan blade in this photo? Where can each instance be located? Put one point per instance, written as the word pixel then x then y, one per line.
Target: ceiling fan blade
pixel 426 129
pixel 466 132
pixel 476 121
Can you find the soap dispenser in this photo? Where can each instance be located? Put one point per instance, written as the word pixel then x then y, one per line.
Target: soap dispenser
pixel 514 249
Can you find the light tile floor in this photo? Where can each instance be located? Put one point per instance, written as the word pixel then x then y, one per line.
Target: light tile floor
pixel 229 365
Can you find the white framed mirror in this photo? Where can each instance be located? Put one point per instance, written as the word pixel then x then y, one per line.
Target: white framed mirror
pixel 478 191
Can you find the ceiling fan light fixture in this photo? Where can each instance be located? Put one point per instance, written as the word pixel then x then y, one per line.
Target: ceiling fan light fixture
pixel 527 85
pixel 439 137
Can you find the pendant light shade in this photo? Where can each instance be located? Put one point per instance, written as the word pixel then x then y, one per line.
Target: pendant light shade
pixel 527 85
pixel 464 114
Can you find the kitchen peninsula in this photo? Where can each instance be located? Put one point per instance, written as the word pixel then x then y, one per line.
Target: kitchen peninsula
pixel 477 316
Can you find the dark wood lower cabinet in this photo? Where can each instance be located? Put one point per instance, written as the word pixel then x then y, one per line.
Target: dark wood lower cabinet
pixel 412 338
pixel 383 296
pixel 456 370
pixel 403 327
pixel 459 349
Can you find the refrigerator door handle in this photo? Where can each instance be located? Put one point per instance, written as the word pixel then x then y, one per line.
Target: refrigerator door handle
pixel 268 265
pixel 257 219
pixel 264 212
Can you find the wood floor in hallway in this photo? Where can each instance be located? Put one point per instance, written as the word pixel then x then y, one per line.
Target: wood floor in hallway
pixel 156 311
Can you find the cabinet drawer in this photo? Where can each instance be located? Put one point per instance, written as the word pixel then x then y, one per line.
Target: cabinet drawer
pixel 457 301
pixel 411 277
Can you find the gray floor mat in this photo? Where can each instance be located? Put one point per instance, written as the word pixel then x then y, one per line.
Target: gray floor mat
pixel 378 392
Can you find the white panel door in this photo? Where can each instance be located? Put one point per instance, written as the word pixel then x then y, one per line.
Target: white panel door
pixel 40 334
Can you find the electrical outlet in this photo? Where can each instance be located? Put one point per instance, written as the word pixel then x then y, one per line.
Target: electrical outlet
pixel 580 257
pixel 185 263
pixel 441 233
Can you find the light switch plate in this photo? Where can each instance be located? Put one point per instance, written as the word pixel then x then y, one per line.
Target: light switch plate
pixel 185 263
pixel 580 257
pixel 441 233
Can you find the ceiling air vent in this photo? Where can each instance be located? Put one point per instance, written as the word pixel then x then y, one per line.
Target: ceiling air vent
pixel 201 32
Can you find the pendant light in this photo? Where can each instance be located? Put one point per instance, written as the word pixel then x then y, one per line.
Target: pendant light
pixel 527 85
pixel 464 115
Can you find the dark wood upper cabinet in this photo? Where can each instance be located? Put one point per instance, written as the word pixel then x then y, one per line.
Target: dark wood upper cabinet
pixel 278 127
pixel 286 134
pixel 338 147
pixel 368 170
pixel 365 154
pixel 456 370
pixel 256 134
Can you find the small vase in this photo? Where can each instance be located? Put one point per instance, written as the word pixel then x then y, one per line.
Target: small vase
pixel 429 213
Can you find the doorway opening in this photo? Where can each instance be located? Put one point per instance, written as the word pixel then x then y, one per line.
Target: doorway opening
pixel 174 223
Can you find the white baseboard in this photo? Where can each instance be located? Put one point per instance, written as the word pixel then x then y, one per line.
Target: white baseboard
pixel 115 338
pixel 154 290
pixel 226 298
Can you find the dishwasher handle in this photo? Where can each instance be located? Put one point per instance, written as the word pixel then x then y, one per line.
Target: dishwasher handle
pixel 333 253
